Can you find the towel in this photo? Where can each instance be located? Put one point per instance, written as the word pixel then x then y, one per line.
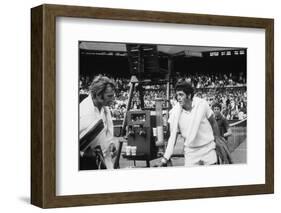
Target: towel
pixel 174 116
pixel 200 108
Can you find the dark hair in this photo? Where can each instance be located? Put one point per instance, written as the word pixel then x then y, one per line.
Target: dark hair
pixel 216 105
pixel 186 87
pixel 99 85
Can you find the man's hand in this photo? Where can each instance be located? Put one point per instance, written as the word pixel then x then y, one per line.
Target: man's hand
pixel 162 163
pixel 216 137
pixel 112 149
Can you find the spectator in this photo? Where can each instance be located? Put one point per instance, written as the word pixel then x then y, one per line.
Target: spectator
pixel 223 124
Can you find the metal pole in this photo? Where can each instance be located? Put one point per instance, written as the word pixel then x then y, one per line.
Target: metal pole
pixel 132 86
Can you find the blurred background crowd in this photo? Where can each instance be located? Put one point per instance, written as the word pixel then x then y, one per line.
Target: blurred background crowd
pixel 227 89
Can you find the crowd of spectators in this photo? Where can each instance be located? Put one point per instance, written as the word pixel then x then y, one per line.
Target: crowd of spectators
pixel 228 90
pixel 232 99
pixel 214 80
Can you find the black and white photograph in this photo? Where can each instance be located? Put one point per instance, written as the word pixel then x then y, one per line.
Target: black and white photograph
pixel 136 105
pixel 151 105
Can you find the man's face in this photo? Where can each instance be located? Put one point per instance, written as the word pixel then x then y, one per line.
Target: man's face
pixel 216 111
pixel 182 98
pixel 108 97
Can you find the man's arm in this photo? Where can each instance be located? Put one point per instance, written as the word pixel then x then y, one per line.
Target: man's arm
pixel 228 133
pixel 214 125
pixel 228 129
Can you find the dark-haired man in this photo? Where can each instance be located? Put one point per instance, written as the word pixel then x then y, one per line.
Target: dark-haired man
pixel 195 121
pixel 223 125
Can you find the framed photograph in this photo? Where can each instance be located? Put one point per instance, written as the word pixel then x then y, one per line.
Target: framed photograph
pixel 140 106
